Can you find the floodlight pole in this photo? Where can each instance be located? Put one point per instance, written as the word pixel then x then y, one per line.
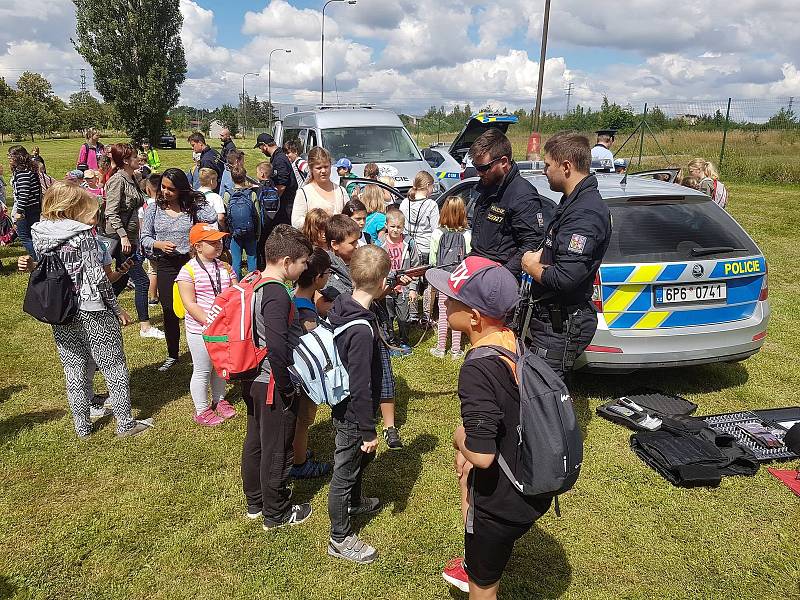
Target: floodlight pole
pixel 542 56
pixel 322 52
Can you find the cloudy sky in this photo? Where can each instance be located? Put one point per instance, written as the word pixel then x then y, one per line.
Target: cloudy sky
pixel 411 54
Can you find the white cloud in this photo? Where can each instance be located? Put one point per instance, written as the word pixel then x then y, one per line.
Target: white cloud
pixel 412 54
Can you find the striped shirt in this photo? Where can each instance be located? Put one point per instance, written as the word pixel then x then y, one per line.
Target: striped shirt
pixel 203 288
pixel 27 190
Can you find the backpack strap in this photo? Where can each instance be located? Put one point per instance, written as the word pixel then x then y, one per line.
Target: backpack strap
pixel 346 326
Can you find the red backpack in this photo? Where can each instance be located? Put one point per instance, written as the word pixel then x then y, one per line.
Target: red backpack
pixel 232 330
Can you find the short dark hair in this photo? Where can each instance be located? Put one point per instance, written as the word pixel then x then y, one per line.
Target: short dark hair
pixel 570 146
pixel 154 181
pixel 238 174
pixel 293 145
pixel 235 156
pixel 352 207
pixel 196 137
pixel 285 241
pixel 494 142
pixel 339 228
pixel 318 262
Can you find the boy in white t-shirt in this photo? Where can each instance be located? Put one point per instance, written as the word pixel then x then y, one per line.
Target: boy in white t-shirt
pixel 208 183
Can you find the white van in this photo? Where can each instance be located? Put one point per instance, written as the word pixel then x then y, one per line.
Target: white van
pixel 361 134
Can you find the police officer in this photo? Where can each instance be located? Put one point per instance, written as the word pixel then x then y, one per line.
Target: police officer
pixel 510 216
pixel 601 153
pixel 563 271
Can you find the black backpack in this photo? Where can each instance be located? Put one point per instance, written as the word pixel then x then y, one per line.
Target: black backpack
pixel 452 249
pixel 550 440
pixel 51 296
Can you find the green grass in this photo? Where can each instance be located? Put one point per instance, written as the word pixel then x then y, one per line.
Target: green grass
pixel 161 516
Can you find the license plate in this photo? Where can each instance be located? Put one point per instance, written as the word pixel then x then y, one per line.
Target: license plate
pixel 691 293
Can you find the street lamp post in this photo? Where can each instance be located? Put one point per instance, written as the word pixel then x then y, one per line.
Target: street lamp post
pixel 244 104
pixel 322 56
pixel 269 81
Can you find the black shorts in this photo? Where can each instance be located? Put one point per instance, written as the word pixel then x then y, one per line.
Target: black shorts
pixel 488 548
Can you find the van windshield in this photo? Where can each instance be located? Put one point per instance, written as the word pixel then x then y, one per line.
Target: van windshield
pixel 370 144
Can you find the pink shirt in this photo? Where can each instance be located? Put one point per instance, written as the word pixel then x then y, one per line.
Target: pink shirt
pixel 203 287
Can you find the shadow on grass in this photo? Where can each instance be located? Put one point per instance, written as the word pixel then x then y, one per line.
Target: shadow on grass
pixel 321 441
pixel 393 474
pixel 404 394
pixel 7 589
pixel 151 389
pixel 13 425
pixel 10 390
pixel 538 568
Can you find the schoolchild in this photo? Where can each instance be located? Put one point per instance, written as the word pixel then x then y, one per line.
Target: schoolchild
pixel 271 398
pixel 354 418
pixel 375 224
pixel 342 234
pixel 356 210
pixel 311 281
pixel 403 254
pixel 422 219
pixel 449 243
pixel 314 227
pixel 200 281
pixel 480 295
pixel 242 220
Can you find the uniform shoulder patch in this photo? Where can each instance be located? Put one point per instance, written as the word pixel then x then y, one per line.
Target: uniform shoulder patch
pixel 577 243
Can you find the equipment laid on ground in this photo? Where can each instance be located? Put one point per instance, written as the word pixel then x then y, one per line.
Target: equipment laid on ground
pixel 761 431
pixel 644 409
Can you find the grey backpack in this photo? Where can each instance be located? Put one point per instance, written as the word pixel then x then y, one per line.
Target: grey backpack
pixel 550 440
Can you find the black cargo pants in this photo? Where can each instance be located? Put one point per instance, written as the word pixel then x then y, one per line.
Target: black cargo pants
pixel 561 334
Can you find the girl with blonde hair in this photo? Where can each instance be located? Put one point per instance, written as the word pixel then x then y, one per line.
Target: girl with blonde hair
pixel 422 218
pixel 708 180
pixel 93 336
pixel 372 197
pixel 319 191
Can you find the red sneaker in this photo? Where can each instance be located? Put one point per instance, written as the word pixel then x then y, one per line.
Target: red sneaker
pixel 225 409
pixel 208 418
pixel 454 574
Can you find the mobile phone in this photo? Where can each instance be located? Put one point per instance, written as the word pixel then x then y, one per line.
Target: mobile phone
pixel 761 435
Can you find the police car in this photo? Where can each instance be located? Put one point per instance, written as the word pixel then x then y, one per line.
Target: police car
pixel 681 282
pixel 447 161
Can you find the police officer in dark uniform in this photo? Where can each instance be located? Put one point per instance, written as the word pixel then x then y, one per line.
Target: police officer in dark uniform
pixel 510 216
pixel 564 319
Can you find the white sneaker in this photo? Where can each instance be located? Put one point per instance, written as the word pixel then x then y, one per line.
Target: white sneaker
pixel 153 332
pixel 99 412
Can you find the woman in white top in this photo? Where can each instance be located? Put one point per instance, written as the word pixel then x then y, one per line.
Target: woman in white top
pixel 319 191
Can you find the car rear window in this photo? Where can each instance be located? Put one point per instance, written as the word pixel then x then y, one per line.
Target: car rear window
pixel 674 230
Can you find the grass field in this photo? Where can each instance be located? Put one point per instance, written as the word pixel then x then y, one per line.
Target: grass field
pixel 162 515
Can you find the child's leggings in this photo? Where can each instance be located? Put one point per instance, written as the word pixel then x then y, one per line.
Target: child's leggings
pixel 203 375
pixel 442 330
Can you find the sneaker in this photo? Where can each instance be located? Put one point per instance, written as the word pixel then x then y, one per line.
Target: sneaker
pixel 392 438
pixel 407 350
pixel 457 355
pixel 153 332
pixel 454 574
pixel 352 548
pixel 397 353
pixel 367 506
pixel 297 514
pixel 225 409
pixel 140 427
pixel 167 364
pixel 152 301
pixel 437 353
pixel 253 512
pixel 309 470
pixel 98 412
pixel 208 418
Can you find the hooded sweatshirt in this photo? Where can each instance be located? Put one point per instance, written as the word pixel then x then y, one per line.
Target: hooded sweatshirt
pixel 78 249
pixel 358 349
pixel 340 275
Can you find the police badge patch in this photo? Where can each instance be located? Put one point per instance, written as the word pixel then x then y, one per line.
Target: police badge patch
pixel 576 244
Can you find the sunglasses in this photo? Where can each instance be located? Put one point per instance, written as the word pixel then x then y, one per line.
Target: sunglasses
pixel 487 166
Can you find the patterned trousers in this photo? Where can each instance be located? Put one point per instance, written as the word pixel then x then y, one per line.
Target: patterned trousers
pixel 94 337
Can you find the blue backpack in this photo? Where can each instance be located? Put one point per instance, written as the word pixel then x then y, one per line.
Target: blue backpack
pixel 318 367
pixel 269 202
pixel 240 213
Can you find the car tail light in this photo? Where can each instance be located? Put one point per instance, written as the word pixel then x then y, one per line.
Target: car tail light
pixel 597 293
pixel 606 349
pixel 764 288
pixel 760 336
